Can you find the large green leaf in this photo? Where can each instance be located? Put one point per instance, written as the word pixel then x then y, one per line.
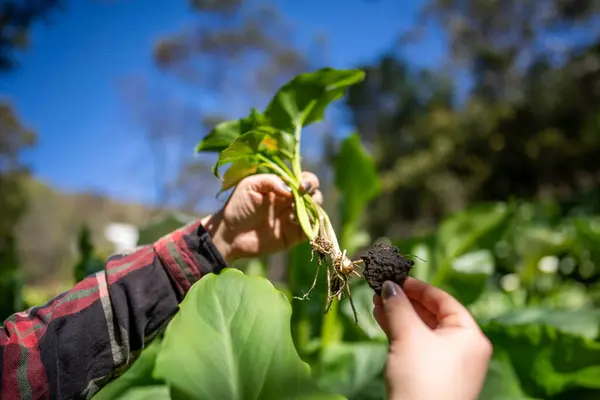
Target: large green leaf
pixel 232 340
pixel 354 369
pixel 152 392
pixel 250 144
pixel 303 100
pixel 239 170
pixel 357 181
pixel 225 133
pixel 548 361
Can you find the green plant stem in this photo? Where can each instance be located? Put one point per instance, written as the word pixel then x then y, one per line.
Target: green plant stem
pixel 287 153
pixel 303 217
pixel 300 200
pixel 283 166
pixel 296 165
pixel 292 182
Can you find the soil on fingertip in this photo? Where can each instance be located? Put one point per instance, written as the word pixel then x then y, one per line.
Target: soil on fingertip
pixel 383 262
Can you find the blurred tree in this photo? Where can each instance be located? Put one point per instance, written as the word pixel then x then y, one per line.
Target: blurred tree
pixel 88 262
pixel 498 41
pixel 237 48
pixel 233 57
pixel 14 138
pixel 528 127
pixel 16 19
pixel 404 115
pixel 11 279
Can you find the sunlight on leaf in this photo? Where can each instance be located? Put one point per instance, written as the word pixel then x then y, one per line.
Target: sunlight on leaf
pixel 239 170
pixel 303 100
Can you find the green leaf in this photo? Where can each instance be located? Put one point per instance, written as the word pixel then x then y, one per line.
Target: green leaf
pixel 303 100
pixel 460 233
pixel 137 380
pixel 421 250
pixel 232 340
pixel 155 392
pixel 249 145
pixel 362 295
pixel 239 170
pixel 584 323
pixel 225 133
pixel 467 277
pixel 547 361
pixel 354 369
pixel 357 180
pixel 501 382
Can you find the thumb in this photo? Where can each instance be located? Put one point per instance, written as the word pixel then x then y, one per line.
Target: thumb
pixel 399 311
pixel 267 183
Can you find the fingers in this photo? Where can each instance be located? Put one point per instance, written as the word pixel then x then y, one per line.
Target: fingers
pixel 379 313
pixel 266 183
pixel 400 314
pixel 318 197
pixel 269 183
pixel 310 182
pixel 425 315
pixel 447 310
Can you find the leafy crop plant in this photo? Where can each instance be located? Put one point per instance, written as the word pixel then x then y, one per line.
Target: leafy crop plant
pixel 270 141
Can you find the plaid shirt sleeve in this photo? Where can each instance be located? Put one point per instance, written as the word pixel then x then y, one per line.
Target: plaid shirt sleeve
pixel 89 335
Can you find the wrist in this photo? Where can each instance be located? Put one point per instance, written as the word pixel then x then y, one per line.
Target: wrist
pixel 215 227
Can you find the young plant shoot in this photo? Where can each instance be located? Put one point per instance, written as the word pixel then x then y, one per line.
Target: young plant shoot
pixel 270 142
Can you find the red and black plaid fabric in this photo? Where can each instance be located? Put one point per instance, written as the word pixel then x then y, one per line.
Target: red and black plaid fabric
pixel 84 338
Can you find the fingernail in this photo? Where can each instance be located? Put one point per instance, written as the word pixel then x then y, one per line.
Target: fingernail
pixel 390 289
pixel 286 188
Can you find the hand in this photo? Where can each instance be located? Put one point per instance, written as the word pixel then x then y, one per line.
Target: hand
pixel 437 350
pixel 259 217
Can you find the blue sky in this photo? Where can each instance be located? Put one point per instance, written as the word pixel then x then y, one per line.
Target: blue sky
pixel 66 87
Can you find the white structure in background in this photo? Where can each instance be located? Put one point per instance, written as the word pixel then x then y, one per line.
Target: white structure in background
pixel 123 236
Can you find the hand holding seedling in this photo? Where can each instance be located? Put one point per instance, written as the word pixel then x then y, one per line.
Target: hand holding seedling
pixel 437 350
pixel 259 217
pixel 270 142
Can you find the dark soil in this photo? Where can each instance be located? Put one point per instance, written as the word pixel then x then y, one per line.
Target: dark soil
pixel 384 262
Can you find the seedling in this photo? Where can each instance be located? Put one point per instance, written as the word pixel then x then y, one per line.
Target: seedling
pixel 270 141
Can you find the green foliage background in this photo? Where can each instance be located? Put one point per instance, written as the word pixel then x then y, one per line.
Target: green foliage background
pixel 496 189
pixel 515 265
